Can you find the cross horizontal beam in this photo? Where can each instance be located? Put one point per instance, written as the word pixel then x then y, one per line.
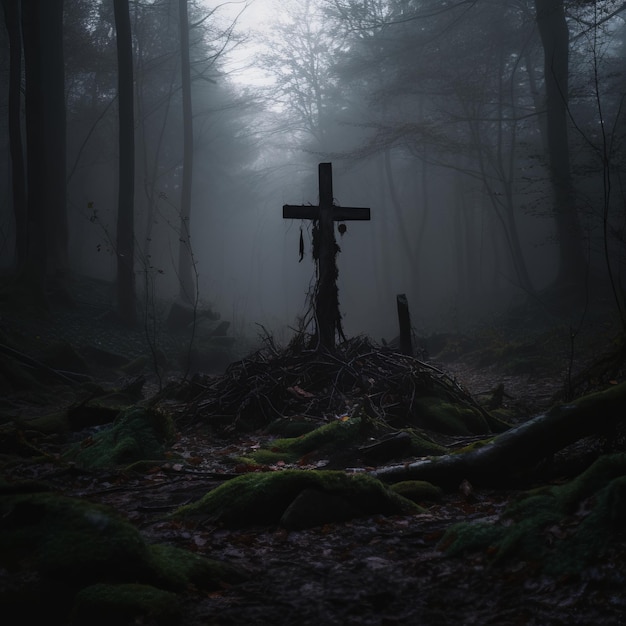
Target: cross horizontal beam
pixel 327 316
pixel 339 213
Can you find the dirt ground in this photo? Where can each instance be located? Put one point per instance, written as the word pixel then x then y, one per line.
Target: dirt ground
pixel 372 571
pixel 376 570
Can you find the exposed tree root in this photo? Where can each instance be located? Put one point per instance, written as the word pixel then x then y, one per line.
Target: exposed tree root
pixel 519 450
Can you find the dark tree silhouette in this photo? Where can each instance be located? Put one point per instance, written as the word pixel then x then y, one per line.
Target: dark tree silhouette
pixel 46 147
pixel 185 261
pixel 34 270
pixel 18 175
pixel 555 40
pixel 125 216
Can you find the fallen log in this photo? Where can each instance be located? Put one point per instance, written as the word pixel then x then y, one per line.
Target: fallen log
pixel 518 450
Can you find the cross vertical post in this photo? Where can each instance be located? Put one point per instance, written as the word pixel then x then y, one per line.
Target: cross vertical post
pixel 327 298
pixel 325 249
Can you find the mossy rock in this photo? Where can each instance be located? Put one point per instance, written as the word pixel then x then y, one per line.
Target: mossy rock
pixel 55 546
pixel 326 439
pixel 263 498
pixel 417 490
pixel 68 538
pixel 137 434
pixel 104 604
pixel 176 569
pixel 542 526
pixel 399 445
pixel 291 426
pixel 449 418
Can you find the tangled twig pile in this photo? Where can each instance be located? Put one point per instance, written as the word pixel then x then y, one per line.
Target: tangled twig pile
pixel 359 375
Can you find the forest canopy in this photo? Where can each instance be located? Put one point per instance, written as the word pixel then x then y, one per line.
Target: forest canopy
pixel 488 140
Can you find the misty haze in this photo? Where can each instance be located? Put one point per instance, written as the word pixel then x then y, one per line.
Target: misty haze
pixel 266 240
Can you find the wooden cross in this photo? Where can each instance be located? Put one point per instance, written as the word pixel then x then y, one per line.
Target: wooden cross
pixel 325 249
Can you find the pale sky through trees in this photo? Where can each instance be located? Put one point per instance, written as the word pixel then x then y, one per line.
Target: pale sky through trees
pixel 253 16
pixel 433 114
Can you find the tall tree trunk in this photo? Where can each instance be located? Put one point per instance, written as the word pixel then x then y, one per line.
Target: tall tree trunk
pixel 11 10
pixel 55 141
pixel 34 271
pixel 555 41
pixel 125 211
pixel 185 262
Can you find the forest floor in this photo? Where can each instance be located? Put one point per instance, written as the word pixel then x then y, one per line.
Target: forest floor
pixel 378 570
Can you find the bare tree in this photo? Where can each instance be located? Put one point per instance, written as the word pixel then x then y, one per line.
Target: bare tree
pixel 18 176
pixel 554 35
pixel 45 226
pixel 188 291
pixel 125 212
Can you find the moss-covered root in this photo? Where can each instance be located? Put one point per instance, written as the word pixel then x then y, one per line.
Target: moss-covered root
pixel 54 548
pixel 417 490
pixel 277 498
pixel 455 418
pixel 104 604
pixel 137 434
pixel 562 528
pixel 335 438
pixel 326 439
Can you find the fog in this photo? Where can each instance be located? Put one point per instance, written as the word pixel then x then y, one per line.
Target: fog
pixel 435 120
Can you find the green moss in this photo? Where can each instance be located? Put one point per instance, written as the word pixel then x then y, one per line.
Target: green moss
pixel 176 569
pixel 104 604
pixel 475 445
pixel 291 427
pixel 503 415
pixel 423 446
pixel 497 421
pixel 417 490
pixel 323 440
pixel 448 418
pixel 471 537
pixel 543 525
pixel 269 457
pixel 136 434
pixel 58 546
pixel 68 538
pixel 596 476
pixel 332 438
pixel 261 499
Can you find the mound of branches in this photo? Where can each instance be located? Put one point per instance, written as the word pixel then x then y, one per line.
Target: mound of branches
pixel 294 381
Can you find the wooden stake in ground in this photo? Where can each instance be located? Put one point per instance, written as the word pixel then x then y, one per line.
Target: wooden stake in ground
pixel 325 249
